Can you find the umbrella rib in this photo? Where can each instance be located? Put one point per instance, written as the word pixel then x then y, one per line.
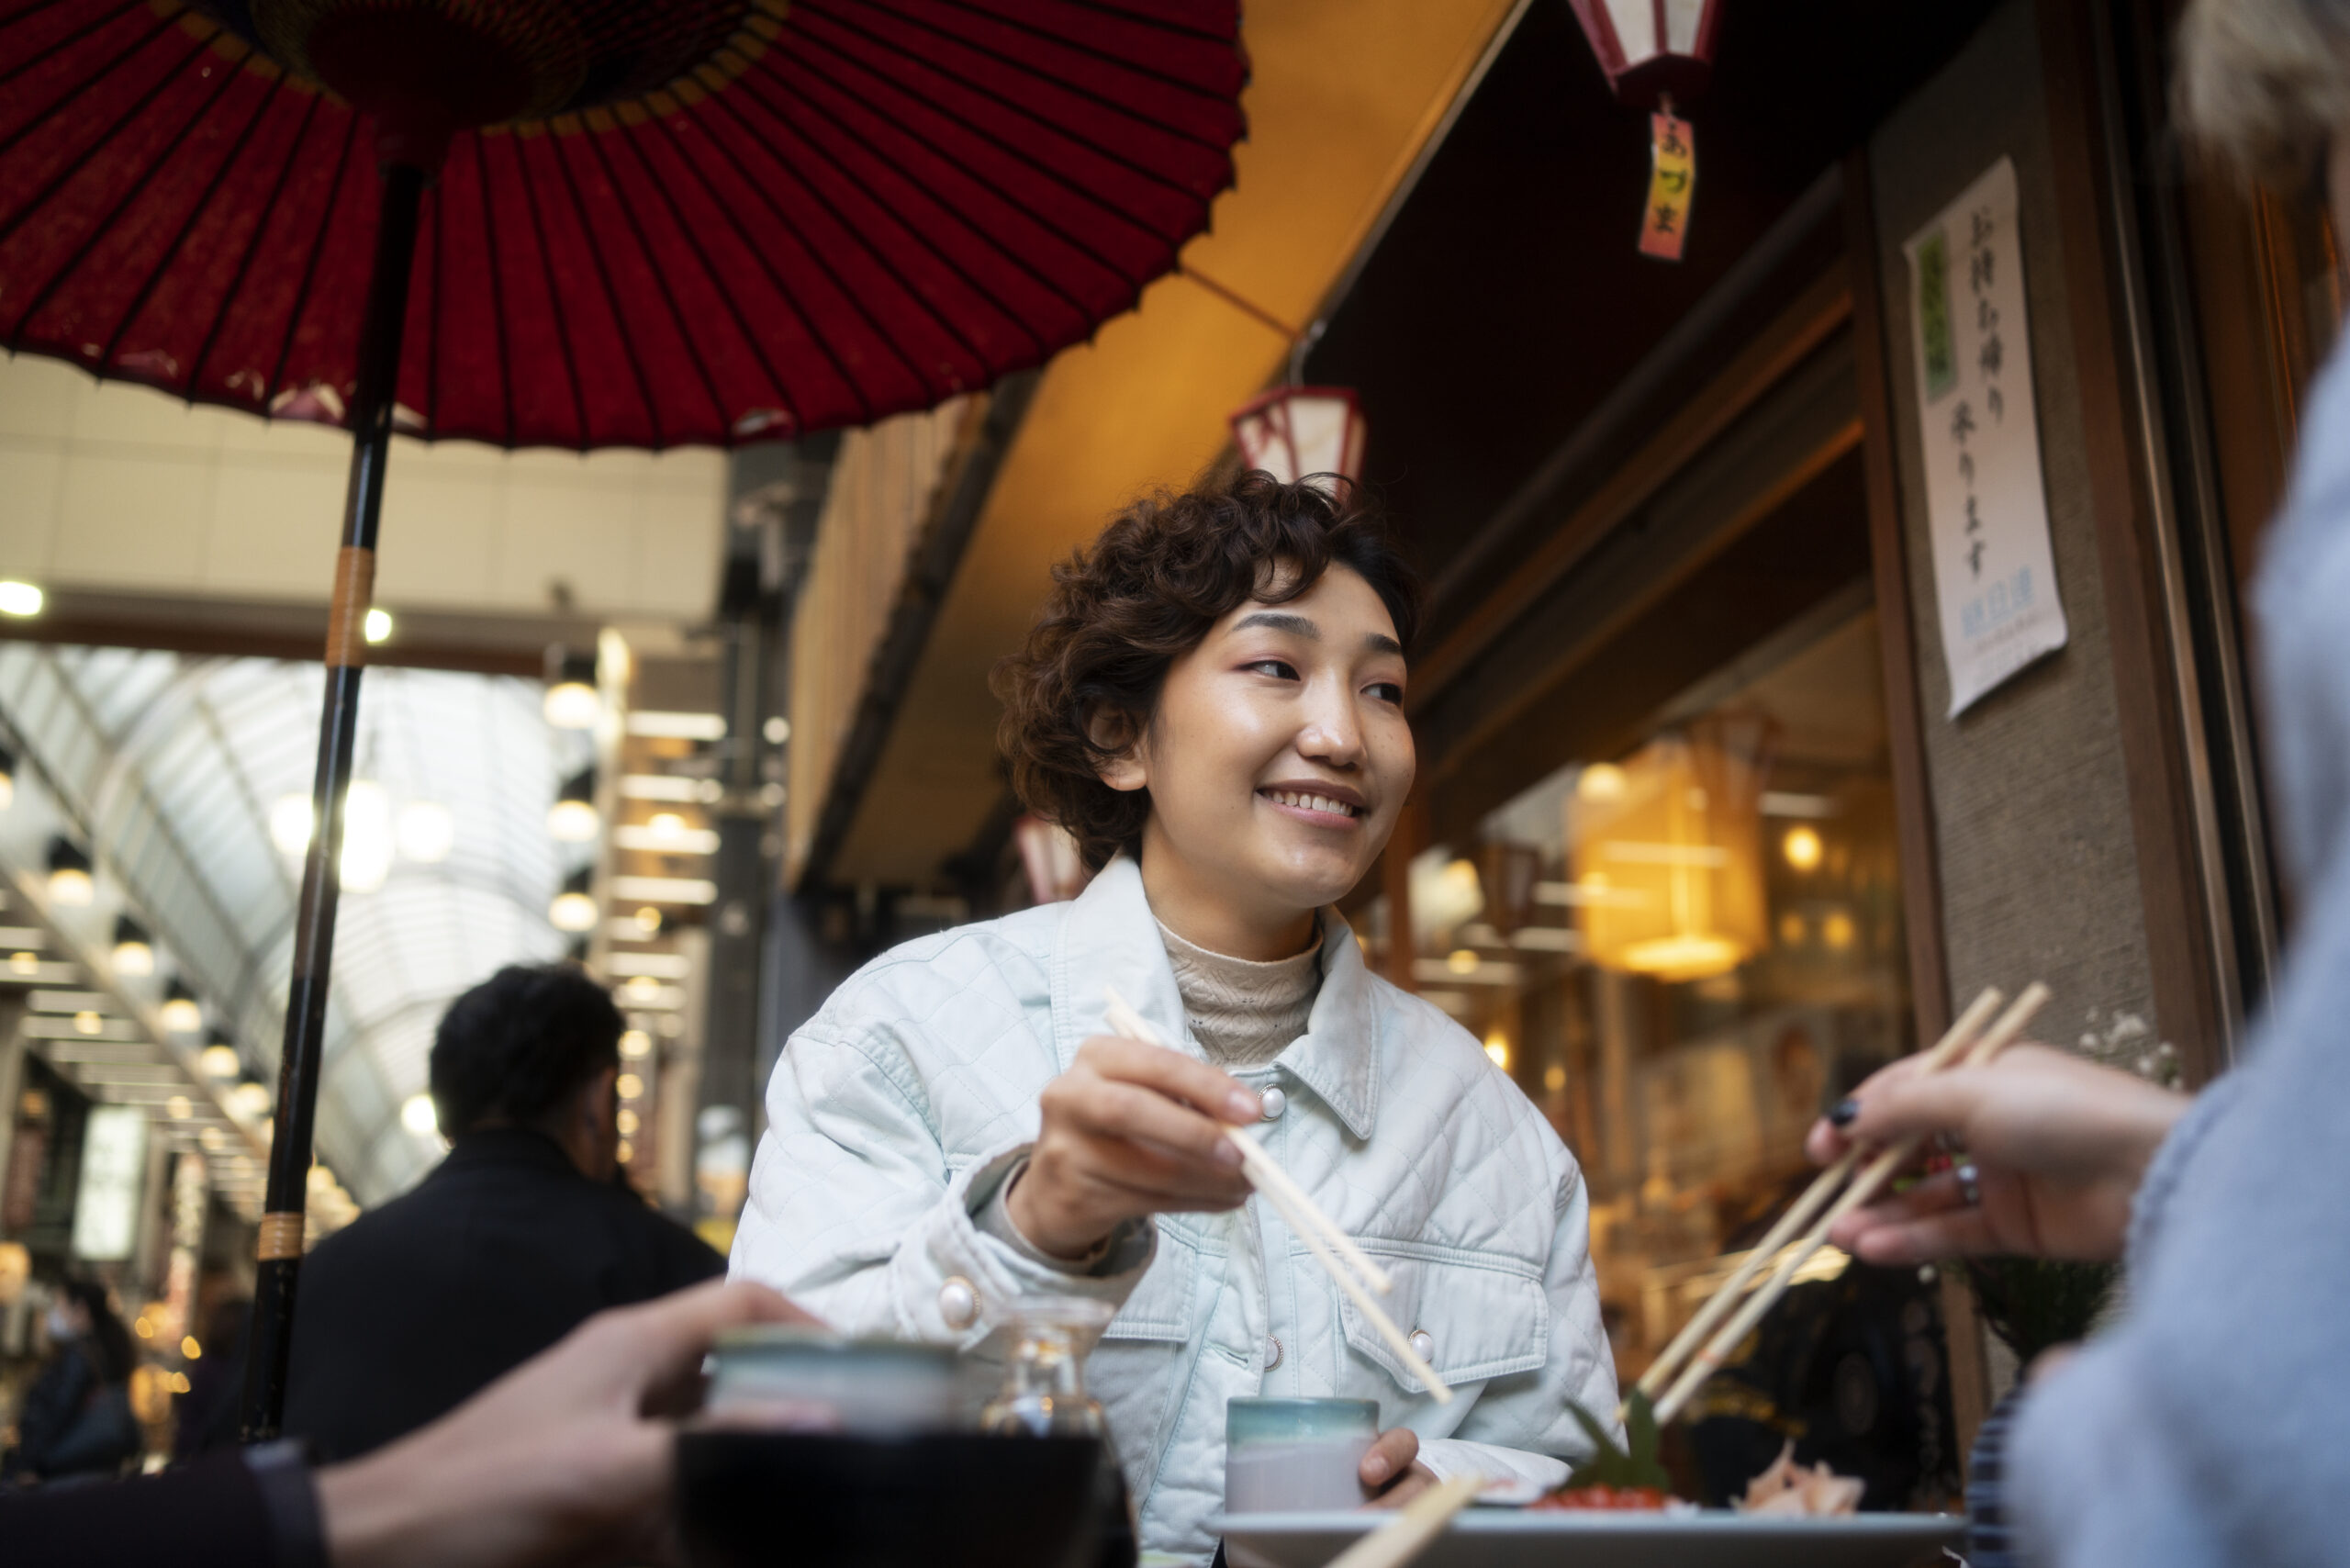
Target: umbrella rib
pixel 69 39
pixel 1127 14
pixel 58 181
pixel 816 255
pixel 497 289
pixel 194 213
pixel 1127 111
pixel 1140 170
pixel 252 241
pixel 1042 220
pixel 604 281
pixel 432 328
pixel 669 297
pixel 311 268
pixel 758 253
pixel 554 298
pixel 944 322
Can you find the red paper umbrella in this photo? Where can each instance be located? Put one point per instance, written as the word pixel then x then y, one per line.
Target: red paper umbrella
pixel 719 221
pixel 593 222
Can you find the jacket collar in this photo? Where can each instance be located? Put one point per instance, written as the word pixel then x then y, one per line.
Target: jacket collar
pixel 1109 937
pixel 508 1145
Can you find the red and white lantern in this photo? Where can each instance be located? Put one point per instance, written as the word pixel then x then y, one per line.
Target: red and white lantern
pixel 1293 432
pixel 1651 49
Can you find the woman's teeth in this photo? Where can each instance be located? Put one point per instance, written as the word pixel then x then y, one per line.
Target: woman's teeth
pixel 1312 802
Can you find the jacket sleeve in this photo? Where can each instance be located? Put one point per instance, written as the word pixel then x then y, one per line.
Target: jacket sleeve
pixel 1519 1429
pixel 855 1211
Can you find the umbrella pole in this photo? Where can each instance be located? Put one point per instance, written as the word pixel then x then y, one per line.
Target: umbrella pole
pixel 302 1056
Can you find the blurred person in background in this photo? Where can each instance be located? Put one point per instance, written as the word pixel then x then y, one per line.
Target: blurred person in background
pixel 77 1419
pixel 2207 1425
pixel 205 1417
pixel 512 1242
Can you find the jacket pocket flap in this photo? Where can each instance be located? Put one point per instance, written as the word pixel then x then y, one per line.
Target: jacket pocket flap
pixel 1161 1306
pixel 1484 1313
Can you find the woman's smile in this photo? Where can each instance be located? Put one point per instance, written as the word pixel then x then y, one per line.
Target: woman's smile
pixel 1315 803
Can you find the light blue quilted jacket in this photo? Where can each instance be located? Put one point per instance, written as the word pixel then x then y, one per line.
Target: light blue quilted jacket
pixel 896 1111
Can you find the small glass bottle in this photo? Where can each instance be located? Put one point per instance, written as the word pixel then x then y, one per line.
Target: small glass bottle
pixel 1043 1396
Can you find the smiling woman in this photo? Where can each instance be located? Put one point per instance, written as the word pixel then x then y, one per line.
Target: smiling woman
pixel 1211 703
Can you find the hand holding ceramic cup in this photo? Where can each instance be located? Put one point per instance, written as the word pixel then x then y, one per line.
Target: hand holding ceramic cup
pixel 1295 1455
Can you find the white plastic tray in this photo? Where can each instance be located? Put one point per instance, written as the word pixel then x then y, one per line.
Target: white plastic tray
pixel 1496 1538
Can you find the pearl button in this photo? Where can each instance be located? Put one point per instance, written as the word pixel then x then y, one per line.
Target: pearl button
pixel 1272 1352
pixel 958 1302
pixel 1275 1103
pixel 1424 1344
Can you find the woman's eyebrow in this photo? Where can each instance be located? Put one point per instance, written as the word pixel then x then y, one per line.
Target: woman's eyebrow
pixel 1276 620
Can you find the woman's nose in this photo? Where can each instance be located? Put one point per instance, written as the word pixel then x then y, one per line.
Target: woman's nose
pixel 1332 733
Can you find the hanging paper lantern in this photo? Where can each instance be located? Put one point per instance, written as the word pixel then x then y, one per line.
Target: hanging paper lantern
pixel 1293 432
pixel 1654 52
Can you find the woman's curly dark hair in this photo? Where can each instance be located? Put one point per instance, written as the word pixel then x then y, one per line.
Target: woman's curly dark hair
pixel 1083 688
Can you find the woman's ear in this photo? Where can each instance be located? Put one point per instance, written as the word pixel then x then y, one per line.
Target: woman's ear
pixel 1124 768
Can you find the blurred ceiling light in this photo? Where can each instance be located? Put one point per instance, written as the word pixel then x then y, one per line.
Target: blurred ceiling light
pixel 631 1086
pixel 1802 847
pixel 656 725
pixel 87 1022
pixel 627 1151
pixel 320 1179
pixel 252 1100
pixel 666 833
pixel 134 954
pixel 178 1108
pixel 665 890
pixel 366 837
pixel 1601 781
pixel 572 819
pixel 1554 1078
pixel 641 988
pixel 1498 1049
pixel 377 627
pixel 636 1043
pixel 7 778
pixel 418 1115
pixel 182 1014
pixel 25 963
pixel 572 702
pixel 574 909
pixel 628 1122
pixel 1460 961
pixel 212 1137
pixel 648 920
pixel 290 822
pixel 426 832
pixel 1838 930
pixel 19 598
pixel 659 787
pixel 777 730
pixel 69 873
pixel 219 1058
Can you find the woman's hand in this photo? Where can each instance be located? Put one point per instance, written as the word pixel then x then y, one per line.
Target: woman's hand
pixel 1389 1477
pixel 1129 1130
pixel 2059 1146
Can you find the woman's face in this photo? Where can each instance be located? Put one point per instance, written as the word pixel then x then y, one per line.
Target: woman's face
pixel 1277 761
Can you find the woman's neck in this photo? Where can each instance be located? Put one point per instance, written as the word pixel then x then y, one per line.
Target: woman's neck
pixel 1204 915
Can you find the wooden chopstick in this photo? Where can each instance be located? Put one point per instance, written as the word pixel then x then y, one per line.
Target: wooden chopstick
pixel 1961 1033
pixel 1421 1520
pixel 1869 1184
pixel 1332 1248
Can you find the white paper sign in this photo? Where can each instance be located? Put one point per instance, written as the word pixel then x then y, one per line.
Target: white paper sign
pixel 114 1169
pixel 1987 506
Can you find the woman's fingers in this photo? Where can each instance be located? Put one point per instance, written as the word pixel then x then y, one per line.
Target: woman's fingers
pixel 1174 1075
pixel 1391 1454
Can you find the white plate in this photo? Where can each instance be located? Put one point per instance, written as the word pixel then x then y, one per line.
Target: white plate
pixel 1496 1538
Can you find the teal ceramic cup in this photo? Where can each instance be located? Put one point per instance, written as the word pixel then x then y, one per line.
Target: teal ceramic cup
pixel 1295 1455
pixel 797 1377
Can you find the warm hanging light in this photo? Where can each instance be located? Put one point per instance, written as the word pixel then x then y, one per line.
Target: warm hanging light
pixel 571 818
pixel 182 1014
pixel 134 952
pixel 574 909
pixel 251 1099
pixel 426 832
pixel 290 824
pixel 572 702
pixel 1670 866
pixel 19 598
pixel 1293 432
pixel 219 1058
pixel 366 837
pixel 7 778
pixel 69 873
pixel 378 626
pixel 418 1115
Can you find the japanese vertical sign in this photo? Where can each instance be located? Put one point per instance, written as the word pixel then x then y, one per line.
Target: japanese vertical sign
pixel 1672 171
pixel 1986 502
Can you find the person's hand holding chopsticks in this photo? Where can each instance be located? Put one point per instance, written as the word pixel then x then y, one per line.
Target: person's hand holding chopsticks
pixel 2054 1149
pixel 1130 1129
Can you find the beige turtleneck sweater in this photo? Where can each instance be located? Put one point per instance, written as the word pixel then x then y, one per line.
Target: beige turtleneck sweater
pixel 1241 1013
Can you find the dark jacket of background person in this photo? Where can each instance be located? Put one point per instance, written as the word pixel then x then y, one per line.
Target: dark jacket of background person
pixel 238 1508
pixel 205 1417
pixel 499 1252
pixel 76 1416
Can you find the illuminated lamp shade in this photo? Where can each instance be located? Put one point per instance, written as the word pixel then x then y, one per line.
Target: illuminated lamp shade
pixel 1670 867
pixel 366 837
pixel 426 832
pixel 1651 49
pixel 182 1014
pixel 252 1100
pixel 219 1058
pixel 418 1115
pixel 574 909
pixel 290 822
pixel 572 819
pixel 134 952
pixel 572 702
pixel 7 778
pixel 19 598
pixel 1293 432
pixel 69 873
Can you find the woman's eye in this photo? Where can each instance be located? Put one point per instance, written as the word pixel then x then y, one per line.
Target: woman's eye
pixel 1388 691
pixel 1280 669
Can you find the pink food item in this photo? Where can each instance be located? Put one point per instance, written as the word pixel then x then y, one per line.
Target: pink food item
pixel 1801 1491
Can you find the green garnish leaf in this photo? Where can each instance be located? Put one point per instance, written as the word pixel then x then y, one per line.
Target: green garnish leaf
pixel 1632 1464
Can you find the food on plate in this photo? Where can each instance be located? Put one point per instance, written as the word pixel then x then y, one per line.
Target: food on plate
pixel 1800 1490
pixel 1600 1497
pixel 1617 1477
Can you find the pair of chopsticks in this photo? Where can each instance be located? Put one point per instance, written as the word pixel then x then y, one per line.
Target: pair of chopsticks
pixel 1332 1248
pixel 1967 1041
